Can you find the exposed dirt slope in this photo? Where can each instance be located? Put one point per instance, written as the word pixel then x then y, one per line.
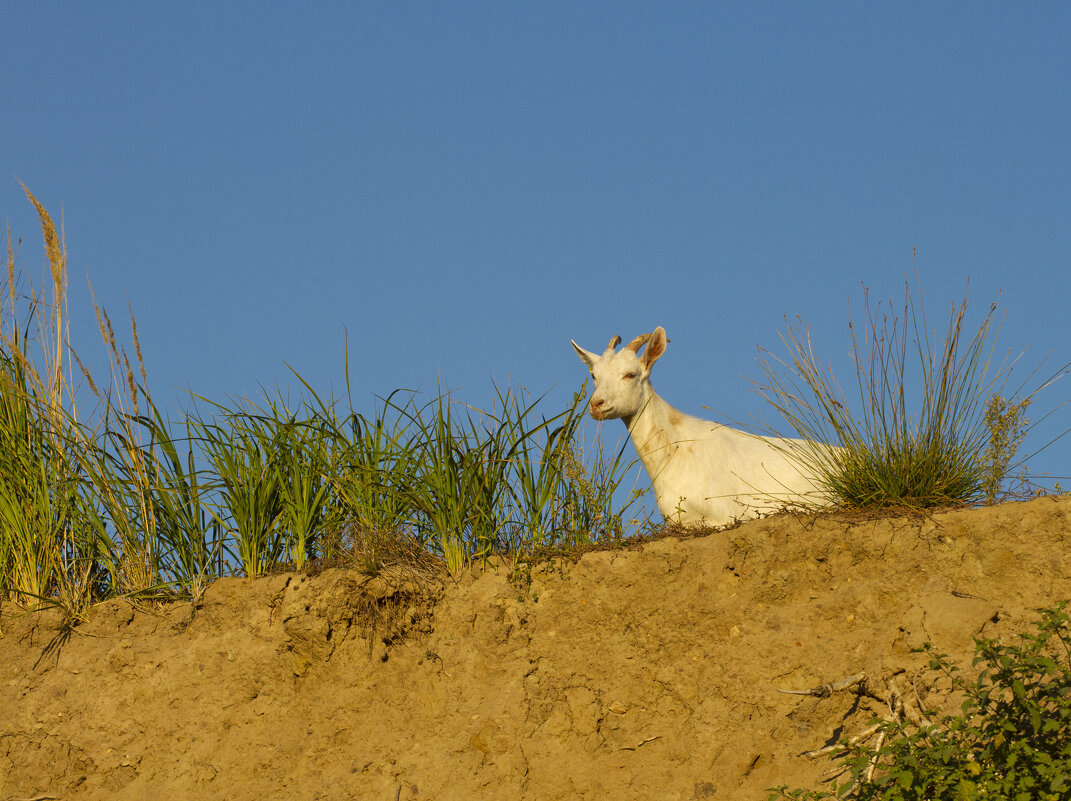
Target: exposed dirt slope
pixel 638 674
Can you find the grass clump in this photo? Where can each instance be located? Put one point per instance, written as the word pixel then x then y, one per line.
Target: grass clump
pixel 1012 739
pixel 48 527
pixel 108 497
pixel 953 441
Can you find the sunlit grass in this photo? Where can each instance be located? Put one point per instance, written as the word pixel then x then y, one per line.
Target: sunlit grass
pixel 46 525
pixel 102 495
pixel 951 441
pixel 112 498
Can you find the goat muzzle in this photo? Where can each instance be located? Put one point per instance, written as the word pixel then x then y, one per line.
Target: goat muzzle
pixel 598 409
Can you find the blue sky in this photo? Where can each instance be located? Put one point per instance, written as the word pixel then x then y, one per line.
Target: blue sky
pixel 463 187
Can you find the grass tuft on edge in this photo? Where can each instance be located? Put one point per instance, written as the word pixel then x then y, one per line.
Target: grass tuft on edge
pixel 899 450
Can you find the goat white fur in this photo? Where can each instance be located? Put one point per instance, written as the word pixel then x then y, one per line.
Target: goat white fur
pixel 702 473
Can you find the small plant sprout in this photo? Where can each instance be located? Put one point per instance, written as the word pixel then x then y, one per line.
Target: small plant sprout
pixel 1005 423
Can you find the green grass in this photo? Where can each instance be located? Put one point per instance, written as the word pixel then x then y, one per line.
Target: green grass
pixel 48 528
pixel 102 496
pixel 952 442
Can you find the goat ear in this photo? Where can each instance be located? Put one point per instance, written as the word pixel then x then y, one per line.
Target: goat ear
pixel 586 356
pixel 656 346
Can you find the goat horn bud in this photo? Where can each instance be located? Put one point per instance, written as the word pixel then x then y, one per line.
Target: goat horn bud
pixel 638 342
pixel 614 343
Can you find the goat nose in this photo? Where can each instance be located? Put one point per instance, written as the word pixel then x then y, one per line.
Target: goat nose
pixel 596 403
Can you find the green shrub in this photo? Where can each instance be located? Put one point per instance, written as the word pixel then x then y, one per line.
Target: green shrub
pixel 1006 424
pixel 1012 740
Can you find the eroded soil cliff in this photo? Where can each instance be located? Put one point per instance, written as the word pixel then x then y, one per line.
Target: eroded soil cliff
pixel 645 673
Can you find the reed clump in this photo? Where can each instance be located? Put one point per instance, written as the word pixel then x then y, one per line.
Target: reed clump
pixel 101 495
pixel 48 529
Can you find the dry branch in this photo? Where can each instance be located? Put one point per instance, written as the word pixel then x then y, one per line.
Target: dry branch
pixel 826 690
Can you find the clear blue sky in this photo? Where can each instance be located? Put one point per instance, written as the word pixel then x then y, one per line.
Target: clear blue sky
pixel 464 187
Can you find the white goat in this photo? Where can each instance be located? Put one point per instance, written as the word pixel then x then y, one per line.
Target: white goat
pixel 703 473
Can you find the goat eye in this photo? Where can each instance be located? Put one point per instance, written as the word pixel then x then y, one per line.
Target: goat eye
pixel 630 375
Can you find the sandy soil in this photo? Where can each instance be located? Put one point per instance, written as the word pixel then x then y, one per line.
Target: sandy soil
pixel 650 673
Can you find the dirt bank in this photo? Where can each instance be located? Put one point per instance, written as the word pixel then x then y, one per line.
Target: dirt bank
pixel 638 674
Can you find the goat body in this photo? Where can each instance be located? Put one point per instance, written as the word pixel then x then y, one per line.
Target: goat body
pixel 703 473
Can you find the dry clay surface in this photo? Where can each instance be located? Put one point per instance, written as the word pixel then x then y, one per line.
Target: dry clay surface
pixel 650 673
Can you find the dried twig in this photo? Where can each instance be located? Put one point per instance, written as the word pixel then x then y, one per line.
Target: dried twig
pixel 873 763
pixel 826 690
pixel 898 712
pixel 920 719
pixel 641 743
pixel 840 746
pixel 830 775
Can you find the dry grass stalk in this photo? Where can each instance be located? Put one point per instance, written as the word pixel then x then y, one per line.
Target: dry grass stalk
pixel 56 251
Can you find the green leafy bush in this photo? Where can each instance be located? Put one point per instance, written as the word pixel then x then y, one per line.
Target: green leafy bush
pixel 1011 741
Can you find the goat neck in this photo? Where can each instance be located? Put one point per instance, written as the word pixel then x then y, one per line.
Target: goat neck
pixel 653 429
